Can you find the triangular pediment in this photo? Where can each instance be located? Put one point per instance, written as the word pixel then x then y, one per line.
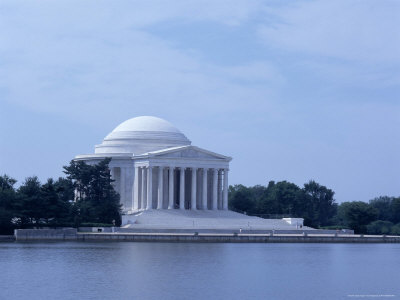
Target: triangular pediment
pixel 192 152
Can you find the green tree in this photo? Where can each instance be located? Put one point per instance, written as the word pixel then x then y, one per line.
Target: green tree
pixel 29 206
pixel 395 210
pixel 395 229
pixel 383 205
pixel 240 198
pixel 267 203
pixel 7 199
pixel 279 198
pixel 57 208
pixel 321 198
pixel 379 227
pixel 96 199
pixel 356 215
pixel 285 195
pixel 65 189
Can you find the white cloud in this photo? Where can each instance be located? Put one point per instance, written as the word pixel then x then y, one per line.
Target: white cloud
pixel 101 62
pixel 79 57
pixel 357 30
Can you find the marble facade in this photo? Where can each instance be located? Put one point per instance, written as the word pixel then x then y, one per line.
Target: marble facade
pixel 155 166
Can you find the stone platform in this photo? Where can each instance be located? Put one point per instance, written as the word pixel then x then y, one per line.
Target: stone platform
pixel 205 219
pixel 71 234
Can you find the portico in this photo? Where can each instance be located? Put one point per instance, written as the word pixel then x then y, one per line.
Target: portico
pixel 150 179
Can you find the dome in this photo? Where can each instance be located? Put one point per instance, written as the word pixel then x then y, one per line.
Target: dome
pixel 146 123
pixel 140 135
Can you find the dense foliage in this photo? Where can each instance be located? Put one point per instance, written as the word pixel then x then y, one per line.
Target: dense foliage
pixel 86 196
pixel 53 204
pixel 96 199
pixel 315 203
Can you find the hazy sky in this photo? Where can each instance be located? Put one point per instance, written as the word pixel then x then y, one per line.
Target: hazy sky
pixel 292 90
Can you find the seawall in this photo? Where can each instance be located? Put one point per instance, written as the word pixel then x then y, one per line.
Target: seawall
pixel 72 234
pixel 7 238
pixel 220 230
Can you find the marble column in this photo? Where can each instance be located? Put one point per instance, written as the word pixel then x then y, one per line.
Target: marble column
pixel 204 200
pixel 219 189
pixel 165 188
pixel 171 188
pixel 182 189
pixel 193 205
pixel 112 174
pixel 149 188
pixel 143 189
pixel 136 189
pixel 160 187
pixel 215 190
pixel 225 196
pixel 122 189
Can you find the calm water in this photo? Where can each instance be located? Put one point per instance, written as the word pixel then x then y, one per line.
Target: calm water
pixel 77 270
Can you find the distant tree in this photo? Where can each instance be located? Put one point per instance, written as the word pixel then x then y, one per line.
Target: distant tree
pixel 29 205
pixel 285 195
pixel 50 200
pixel 314 202
pixel 395 229
pixel 7 183
pixel 57 208
pixel 240 198
pixel 33 204
pixel 379 227
pixel 7 199
pixel 96 199
pixel 65 189
pixel 323 203
pixel 395 210
pixel 267 203
pixel 304 208
pixel 257 194
pixel 383 205
pixel 357 215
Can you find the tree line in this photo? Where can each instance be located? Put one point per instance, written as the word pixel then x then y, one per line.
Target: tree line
pixel 85 197
pixel 316 204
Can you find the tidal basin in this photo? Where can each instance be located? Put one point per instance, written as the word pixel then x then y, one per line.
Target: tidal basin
pixel 107 270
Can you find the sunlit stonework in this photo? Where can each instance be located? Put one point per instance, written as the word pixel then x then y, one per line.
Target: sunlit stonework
pixel 166 182
pixel 155 166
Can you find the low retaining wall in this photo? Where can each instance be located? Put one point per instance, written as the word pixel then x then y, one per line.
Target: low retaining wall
pixel 97 229
pixel 72 234
pixel 237 238
pixel 45 234
pixel 7 238
pixel 224 231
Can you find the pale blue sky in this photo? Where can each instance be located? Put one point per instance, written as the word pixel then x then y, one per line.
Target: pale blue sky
pixel 292 90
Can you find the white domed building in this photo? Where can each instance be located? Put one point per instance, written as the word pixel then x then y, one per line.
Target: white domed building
pixel 166 183
pixel 155 166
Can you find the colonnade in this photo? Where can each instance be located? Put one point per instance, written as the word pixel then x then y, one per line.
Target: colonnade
pixel 161 187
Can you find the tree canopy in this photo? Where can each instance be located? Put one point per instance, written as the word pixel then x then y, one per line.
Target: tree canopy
pixel 54 204
pixel 87 195
pixel 313 202
pixel 96 199
pixel 316 204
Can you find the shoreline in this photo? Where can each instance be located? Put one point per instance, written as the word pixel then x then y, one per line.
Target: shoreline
pixel 198 237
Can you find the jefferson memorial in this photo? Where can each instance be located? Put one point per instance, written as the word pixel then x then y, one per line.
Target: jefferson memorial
pixel 155 166
pixel 166 182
